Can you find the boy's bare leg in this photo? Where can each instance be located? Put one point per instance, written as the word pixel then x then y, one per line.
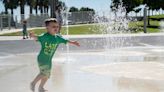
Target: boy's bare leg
pixel 43 82
pixel 33 83
pixel 26 35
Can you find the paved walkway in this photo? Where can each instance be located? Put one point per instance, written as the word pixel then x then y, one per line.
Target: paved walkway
pixel 87 36
pixel 16 30
pixel 4 31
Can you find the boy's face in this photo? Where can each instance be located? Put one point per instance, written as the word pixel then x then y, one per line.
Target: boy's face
pixel 52 28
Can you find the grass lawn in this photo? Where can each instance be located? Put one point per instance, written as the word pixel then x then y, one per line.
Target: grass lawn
pixel 94 29
pixel 157 16
pixel 153 28
pixel 82 29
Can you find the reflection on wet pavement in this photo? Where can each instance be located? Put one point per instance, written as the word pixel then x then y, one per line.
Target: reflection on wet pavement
pixel 137 69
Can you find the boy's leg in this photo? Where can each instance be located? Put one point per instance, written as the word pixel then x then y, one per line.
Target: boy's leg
pixel 37 78
pixel 45 72
pixel 33 83
pixel 43 82
pixel 26 35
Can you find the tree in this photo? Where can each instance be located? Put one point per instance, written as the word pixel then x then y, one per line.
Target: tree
pixel 36 6
pixel 64 7
pixel 153 5
pixel 114 6
pixel 6 6
pixel 137 10
pixel 73 9
pixel 53 4
pixel 129 5
pixel 31 4
pixel 46 6
pixel 87 9
pixel 162 4
pixel 10 4
pixel 22 6
pixel 41 4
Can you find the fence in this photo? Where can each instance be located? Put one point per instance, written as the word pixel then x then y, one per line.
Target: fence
pixel 6 21
pixel 10 21
pixel 72 18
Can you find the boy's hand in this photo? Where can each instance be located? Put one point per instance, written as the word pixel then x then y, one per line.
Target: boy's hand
pixel 74 43
pixel 32 35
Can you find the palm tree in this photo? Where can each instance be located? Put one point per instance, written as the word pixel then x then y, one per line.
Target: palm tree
pixel 10 4
pixel 46 6
pixel 53 4
pixel 114 6
pixel 40 4
pixel 22 6
pixel 36 6
pixel 5 2
pixel 31 4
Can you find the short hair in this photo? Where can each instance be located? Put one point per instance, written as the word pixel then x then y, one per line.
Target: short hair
pixel 49 20
pixel 24 21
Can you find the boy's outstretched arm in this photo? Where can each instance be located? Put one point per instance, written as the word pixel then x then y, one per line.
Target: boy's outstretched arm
pixel 32 35
pixel 74 43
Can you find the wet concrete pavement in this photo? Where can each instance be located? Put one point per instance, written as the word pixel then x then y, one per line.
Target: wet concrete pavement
pixel 136 67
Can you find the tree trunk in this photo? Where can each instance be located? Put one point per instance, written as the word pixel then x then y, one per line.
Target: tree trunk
pixel 12 12
pixel 148 17
pixel 53 4
pixel 30 10
pixel 6 12
pixel 22 11
pixel 44 10
pixel 41 9
pixel 36 10
pixel 47 9
pixel 11 18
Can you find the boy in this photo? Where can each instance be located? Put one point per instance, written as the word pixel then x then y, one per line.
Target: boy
pixel 25 34
pixel 49 42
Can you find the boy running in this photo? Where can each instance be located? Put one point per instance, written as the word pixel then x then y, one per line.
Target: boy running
pixel 49 42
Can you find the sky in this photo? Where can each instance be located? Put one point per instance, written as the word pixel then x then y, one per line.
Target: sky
pixel 96 4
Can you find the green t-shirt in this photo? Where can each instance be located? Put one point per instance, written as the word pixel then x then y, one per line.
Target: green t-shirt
pixel 49 44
